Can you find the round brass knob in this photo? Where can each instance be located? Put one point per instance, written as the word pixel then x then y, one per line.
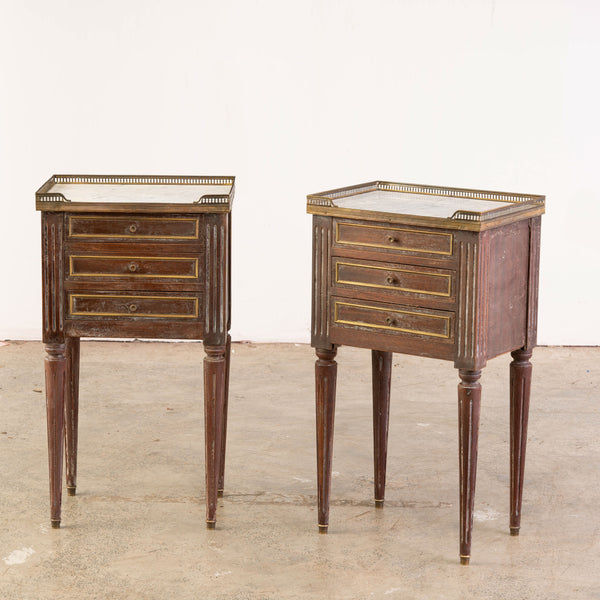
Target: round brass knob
pixel 390 279
pixel 133 267
pixel 392 239
pixel 132 307
pixel 133 228
pixel 389 321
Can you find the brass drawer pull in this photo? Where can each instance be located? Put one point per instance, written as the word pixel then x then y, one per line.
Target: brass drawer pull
pixel 389 321
pixel 132 307
pixel 392 239
pixel 133 267
pixel 391 280
pixel 133 228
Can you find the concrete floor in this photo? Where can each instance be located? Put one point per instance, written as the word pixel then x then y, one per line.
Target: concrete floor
pixel 136 528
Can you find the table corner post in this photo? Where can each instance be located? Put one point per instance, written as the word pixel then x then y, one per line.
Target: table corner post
pixel 469 403
pixel 325 385
pixel 520 391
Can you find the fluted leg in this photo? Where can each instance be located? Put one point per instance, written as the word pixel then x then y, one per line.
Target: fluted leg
pixel 469 402
pixel 221 485
pixel 382 379
pixel 520 387
pixel 325 380
pixel 71 412
pixel 214 397
pixel 55 367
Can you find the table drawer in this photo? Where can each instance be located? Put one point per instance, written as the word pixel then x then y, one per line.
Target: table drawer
pixel 134 267
pixel 138 306
pixel 407 320
pixel 402 239
pixel 396 279
pixel 133 227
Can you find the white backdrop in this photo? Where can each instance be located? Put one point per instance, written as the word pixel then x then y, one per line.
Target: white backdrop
pixel 299 97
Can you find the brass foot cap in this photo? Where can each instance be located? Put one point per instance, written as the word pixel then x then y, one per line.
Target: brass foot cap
pixel 514 531
pixel 55 524
pixel 71 491
pixel 219 493
pixel 211 524
pixel 464 560
pixel 323 528
pixel 378 503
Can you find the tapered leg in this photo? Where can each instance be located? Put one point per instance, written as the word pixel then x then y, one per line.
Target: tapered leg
pixel 71 412
pixel 520 387
pixel 55 367
pixel 469 402
pixel 221 485
pixel 325 380
pixel 214 397
pixel 382 379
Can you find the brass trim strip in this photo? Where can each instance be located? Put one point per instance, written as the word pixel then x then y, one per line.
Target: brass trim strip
pixel 327 198
pixel 389 310
pixel 390 246
pixel 146 179
pixel 140 275
pixel 135 236
pixel 392 287
pixel 118 314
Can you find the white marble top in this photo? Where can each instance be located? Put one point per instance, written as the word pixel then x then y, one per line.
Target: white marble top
pixel 422 205
pixel 101 192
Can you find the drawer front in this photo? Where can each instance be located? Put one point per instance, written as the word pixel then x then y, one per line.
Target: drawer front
pixel 136 267
pixel 436 324
pixel 393 238
pixel 134 227
pixel 402 280
pixel 137 306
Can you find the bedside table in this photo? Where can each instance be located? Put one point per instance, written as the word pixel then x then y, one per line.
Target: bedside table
pixel 437 272
pixel 134 257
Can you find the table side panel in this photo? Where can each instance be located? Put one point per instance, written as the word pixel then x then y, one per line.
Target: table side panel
pixel 508 284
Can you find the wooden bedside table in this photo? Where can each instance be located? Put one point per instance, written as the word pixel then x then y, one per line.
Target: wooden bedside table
pixel 129 257
pixel 439 272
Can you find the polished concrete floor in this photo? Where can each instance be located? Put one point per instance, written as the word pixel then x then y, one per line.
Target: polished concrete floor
pixel 136 528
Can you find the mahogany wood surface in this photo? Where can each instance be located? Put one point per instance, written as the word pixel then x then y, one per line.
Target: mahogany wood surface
pixel 463 289
pixel 126 270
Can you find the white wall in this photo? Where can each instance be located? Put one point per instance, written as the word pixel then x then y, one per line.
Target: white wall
pixel 298 97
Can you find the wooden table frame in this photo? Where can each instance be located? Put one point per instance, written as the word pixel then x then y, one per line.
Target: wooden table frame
pixel 134 270
pixel 461 287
